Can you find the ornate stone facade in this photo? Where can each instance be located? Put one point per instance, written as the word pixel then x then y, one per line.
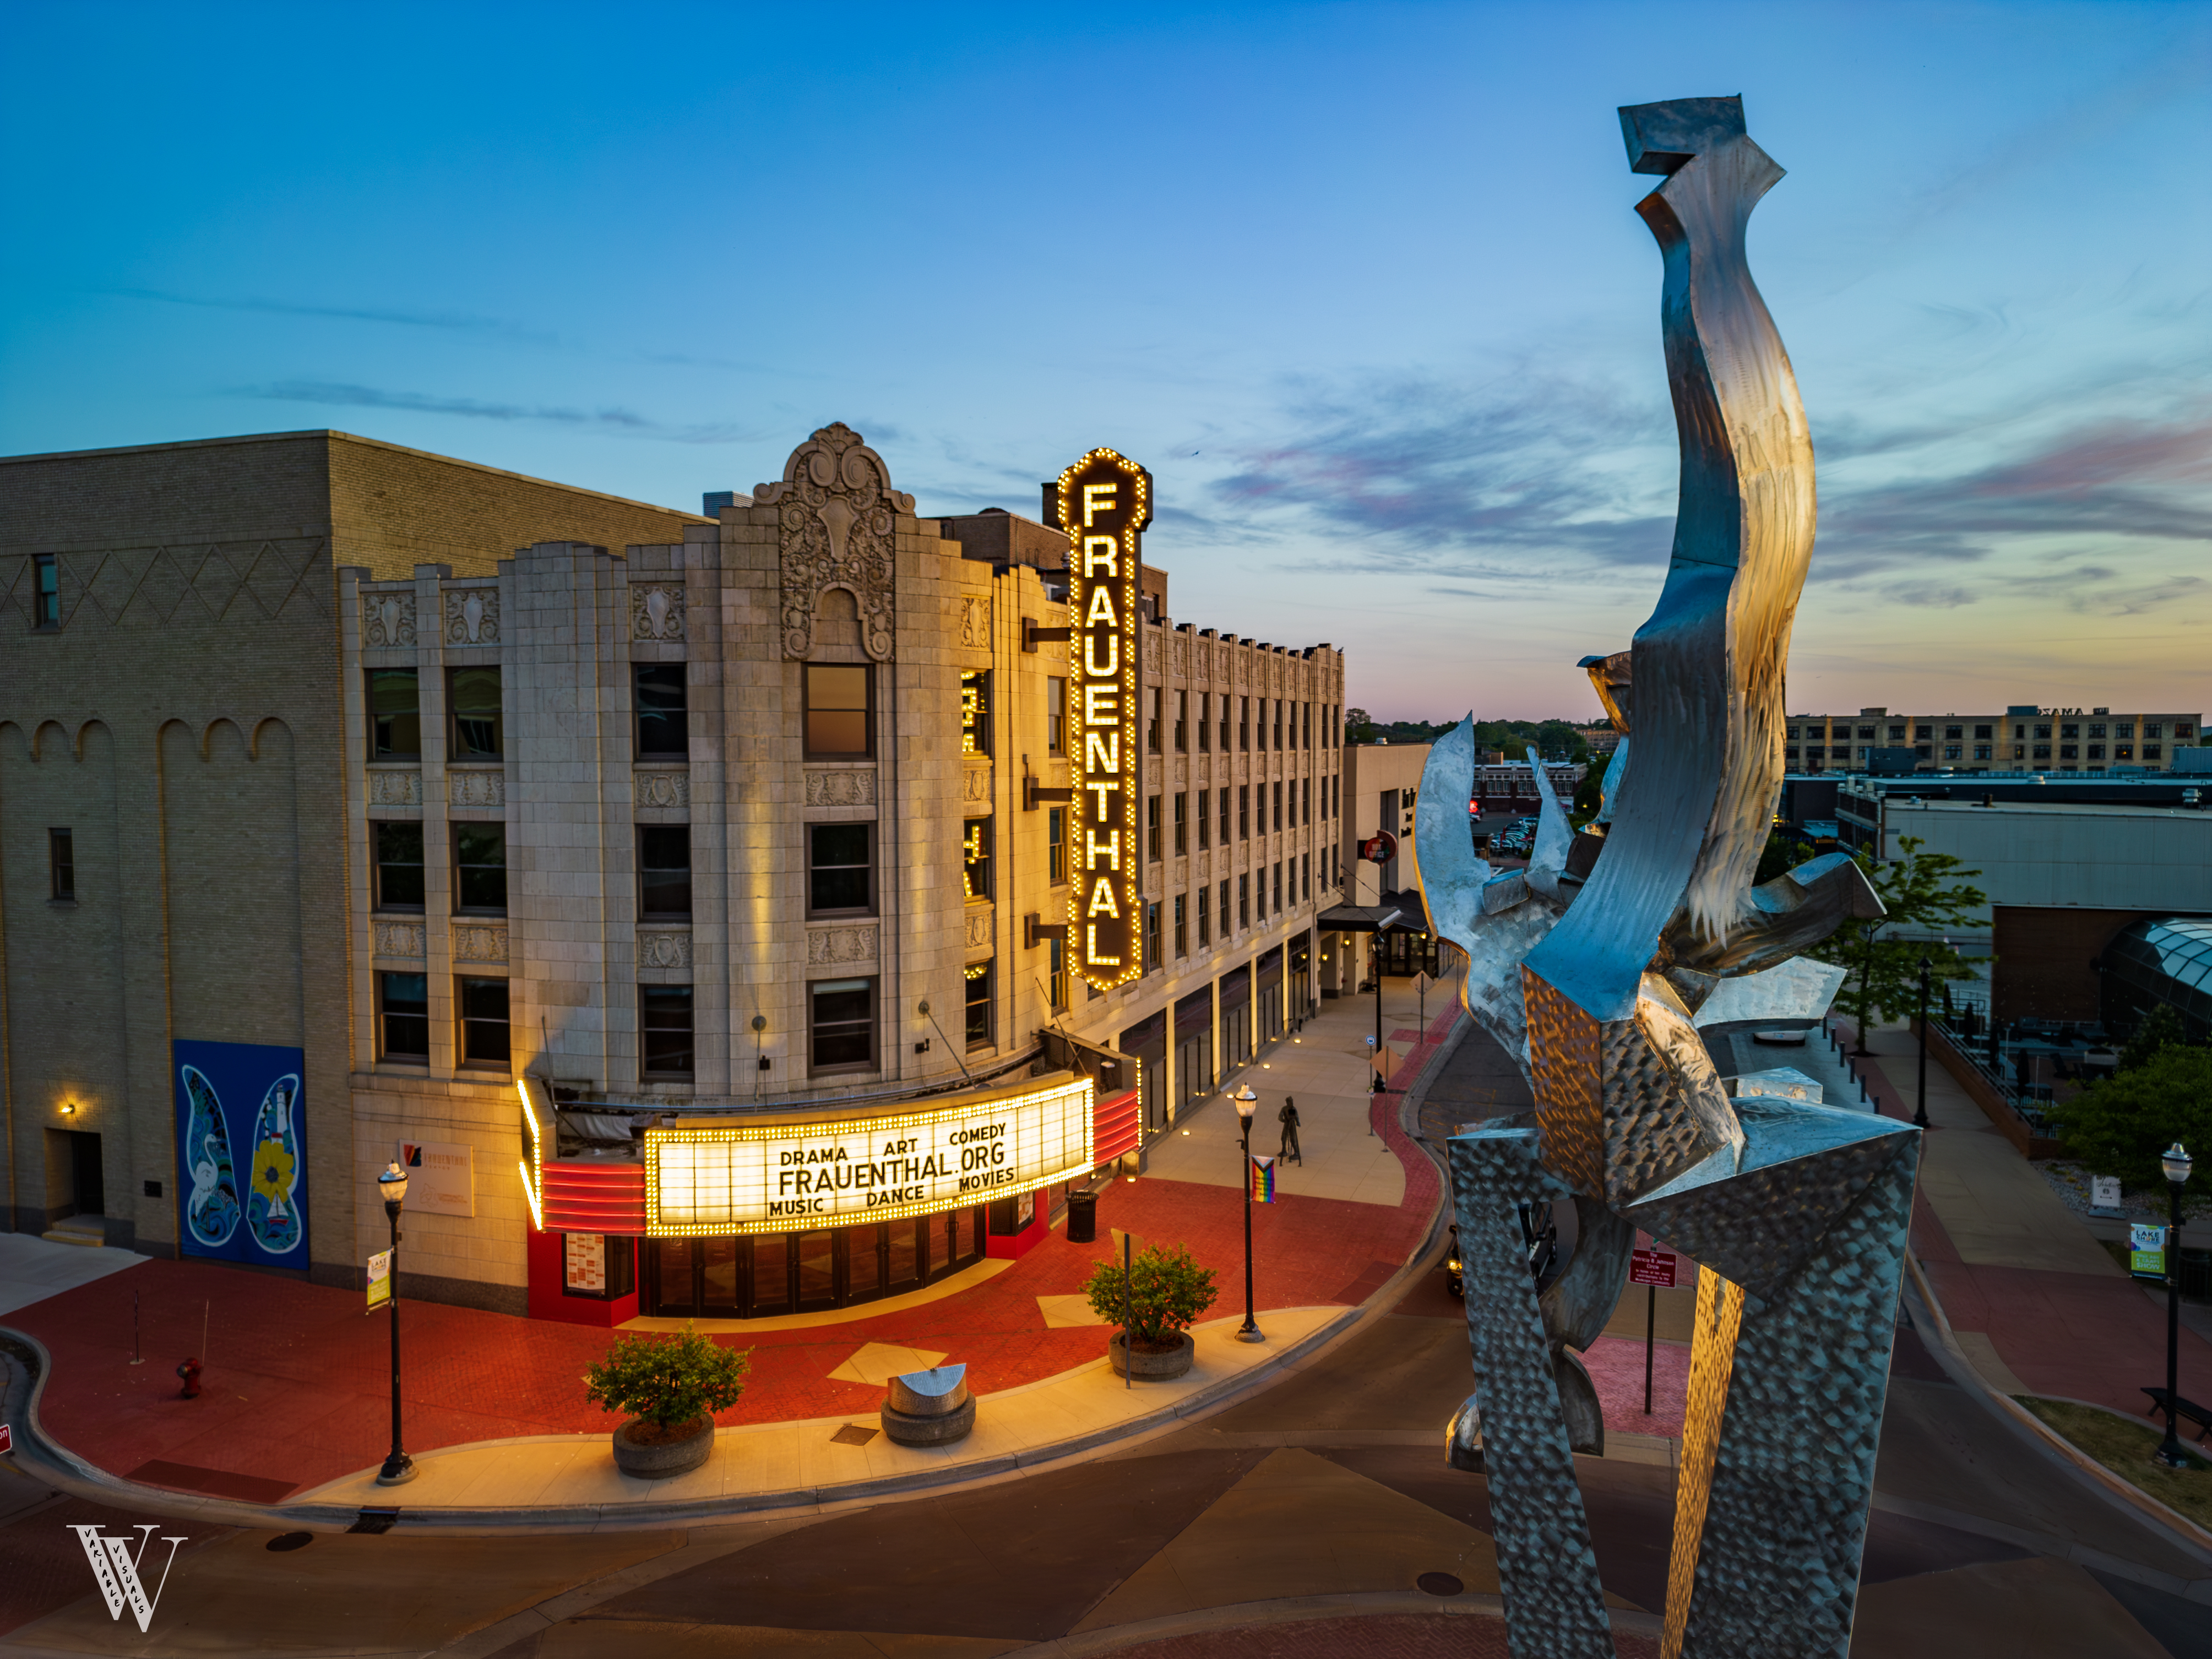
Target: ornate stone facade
pixel 479 941
pixel 656 610
pixel 836 508
pixel 829 947
pixel 980 930
pixel 477 789
pixel 388 620
pixel 976 786
pixel 853 788
pixel 669 788
pixel 976 620
pixel 668 947
pixel 398 939
pixel 395 789
pixel 472 616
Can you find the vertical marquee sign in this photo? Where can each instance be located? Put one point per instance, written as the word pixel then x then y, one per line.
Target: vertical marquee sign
pixel 1105 502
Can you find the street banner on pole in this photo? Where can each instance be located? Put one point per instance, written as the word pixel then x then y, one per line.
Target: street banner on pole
pixel 1263 1179
pixel 2147 1252
pixel 380 1280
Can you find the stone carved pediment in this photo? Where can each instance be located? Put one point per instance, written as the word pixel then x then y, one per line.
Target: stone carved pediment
pixel 388 620
pixel 656 610
pixel 472 616
pixel 836 508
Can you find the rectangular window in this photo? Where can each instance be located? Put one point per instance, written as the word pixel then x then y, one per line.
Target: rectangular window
pixel 1152 719
pixel 1225 910
pixel 2069 732
pixel 2042 751
pixel 2067 751
pixel 61 863
pixel 1152 957
pixel 1225 815
pixel 1244 723
pixel 1182 722
pixel 1982 731
pixel 1152 828
pixel 1182 822
pixel 2122 751
pixel 1205 718
pixel 480 871
pixel 2097 730
pixel 1260 736
pixel 841 1024
pixel 1278 805
pixel 1056 717
pixel 1224 722
pixel 398 848
pixel 1205 923
pixel 1305 879
pixel 395 714
pixel 472 697
pixel 1867 731
pixel 1243 902
pixel 2185 728
pixel 1279 722
pixel 1278 887
pixel 2153 728
pixel 663 726
pixel 1205 821
pixel 1181 932
pixel 974 711
pixel 839 709
pixel 1056 969
pixel 2125 729
pixel 1243 811
pixel 1950 751
pixel 484 1022
pixel 46 592
pixel 1055 844
pixel 403 1011
pixel 664 1014
pixel 979 1005
pixel 2153 751
pixel 2042 731
pixel 976 857
pixel 664 872
pixel 840 869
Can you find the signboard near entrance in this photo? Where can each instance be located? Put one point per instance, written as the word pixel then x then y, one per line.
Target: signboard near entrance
pixel 716 1180
pixel 1105 502
pixel 1653 1267
pixel 440 1177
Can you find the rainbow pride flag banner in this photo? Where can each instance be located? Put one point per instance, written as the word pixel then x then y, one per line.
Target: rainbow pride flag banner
pixel 1263 1180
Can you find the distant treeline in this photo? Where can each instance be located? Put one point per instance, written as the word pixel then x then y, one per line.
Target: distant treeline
pixel 1554 739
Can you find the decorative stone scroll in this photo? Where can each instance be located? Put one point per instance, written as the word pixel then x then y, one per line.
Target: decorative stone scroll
pixel 389 788
pixel 835 510
pixel 398 939
pixel 981 933
pixel 656 610
pixel 479 941
pixel 669 788
pixel 476 789
pixel 387 621
pixel 665 948
pixel 827 946
pixel 976 620
pixel 472 616
pixel 853 788
pixel 976 786
pixel 1182 658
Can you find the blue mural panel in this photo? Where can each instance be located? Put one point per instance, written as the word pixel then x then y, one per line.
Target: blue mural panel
pixel 241 1152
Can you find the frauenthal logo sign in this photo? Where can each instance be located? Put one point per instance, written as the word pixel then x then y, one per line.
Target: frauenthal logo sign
pixel 115 1569
pixel 1105 502
pixel 718 1179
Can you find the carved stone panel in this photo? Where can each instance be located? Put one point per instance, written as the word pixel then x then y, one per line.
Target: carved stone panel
pixel 1182 658
pixel 855 788
pixel 829 946
pixel 975 786
pixel 656 610
pixel 976 620
pixel 472 616
pixel 398 939
pixel 479 941
pixel 476 789
pixel 836 506
pixel 981 933
pixel 386 620
pixel 669 947
pixel 669 789
pixel 395 789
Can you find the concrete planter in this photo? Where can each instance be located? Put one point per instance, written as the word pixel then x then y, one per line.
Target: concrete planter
pixel 1144 1367
pixel 656 1462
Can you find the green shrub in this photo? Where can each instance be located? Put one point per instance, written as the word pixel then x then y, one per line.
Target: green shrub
pixel 1167 1290
pixel 2118 1126
pixel 667 1380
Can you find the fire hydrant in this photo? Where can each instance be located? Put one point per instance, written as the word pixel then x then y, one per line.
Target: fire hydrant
pixel 190 1370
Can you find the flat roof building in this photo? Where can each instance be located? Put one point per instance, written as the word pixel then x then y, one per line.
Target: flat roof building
pixel 2024 737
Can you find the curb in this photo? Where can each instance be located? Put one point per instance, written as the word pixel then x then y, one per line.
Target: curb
pixel 2187 1533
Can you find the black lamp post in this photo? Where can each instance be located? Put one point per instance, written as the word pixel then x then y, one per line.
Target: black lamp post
pixel 2177 1164
pixel 1247 1102
pixel 398 1468
pixel 1920 1106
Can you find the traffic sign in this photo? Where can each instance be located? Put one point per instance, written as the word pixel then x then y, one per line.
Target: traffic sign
pixel 1421 983
pixel 1653 1267
pixel 6 1440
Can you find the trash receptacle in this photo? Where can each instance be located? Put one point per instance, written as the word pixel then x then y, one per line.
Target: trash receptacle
pixel 1082 1218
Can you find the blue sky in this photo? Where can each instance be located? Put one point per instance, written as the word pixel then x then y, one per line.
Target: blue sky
pixel 1361 285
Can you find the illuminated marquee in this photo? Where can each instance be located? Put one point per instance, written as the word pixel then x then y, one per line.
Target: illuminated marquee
pixel 1105 502
pixel 716 1180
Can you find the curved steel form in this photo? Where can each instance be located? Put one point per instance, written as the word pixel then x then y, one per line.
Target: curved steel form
pixel 1796 1212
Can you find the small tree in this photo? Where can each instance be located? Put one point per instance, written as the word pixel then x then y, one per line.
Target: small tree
pixel 2160 1029
pixel 2119 1124
pixel 667 1382
pixel 1167 1290
pixel 1917 889
pixel 1359 725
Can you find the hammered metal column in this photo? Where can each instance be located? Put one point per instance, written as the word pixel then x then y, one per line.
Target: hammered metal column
pixel 1554 1606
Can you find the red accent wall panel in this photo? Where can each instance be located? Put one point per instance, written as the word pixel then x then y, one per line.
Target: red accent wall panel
pixel 1117 1126
pixel 595 1198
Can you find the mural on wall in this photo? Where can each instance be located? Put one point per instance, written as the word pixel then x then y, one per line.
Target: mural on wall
pixel 240 1152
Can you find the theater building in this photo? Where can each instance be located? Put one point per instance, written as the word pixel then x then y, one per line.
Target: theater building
pixel 683 895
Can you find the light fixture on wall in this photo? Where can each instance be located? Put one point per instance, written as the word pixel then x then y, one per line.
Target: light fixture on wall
pixel 69 1108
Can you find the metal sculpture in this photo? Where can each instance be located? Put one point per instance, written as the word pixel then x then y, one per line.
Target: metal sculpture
pixel 1592 965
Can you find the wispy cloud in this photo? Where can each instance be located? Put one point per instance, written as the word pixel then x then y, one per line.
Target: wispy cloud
pixel 341 395
pixel 457 321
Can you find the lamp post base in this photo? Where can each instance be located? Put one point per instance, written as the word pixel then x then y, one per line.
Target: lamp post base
pixel 1251 1333
pixel 397 1471
pixel 2175 1459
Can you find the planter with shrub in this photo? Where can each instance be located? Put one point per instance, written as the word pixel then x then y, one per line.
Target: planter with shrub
pixel 669 1387
pixel 1160 1296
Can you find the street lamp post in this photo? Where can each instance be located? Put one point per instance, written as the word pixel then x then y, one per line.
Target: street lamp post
pixel 1247 1102
pixel 2177 1164
pixel 1920 1105
pixel 398 1468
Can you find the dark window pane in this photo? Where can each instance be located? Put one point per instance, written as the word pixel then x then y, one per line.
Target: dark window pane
pixel 844 1021
pixel 836 710
pixel 771 1272
pixel 979 1004
pixel 61 845
pixel 838 856
pixel 664 859
pixel 816 1280
pixel 475 693
pixel 480 866
pixel 399 866
pixel 484 1022
pixel 406 1015
pixel 666 1011
pixel 663 725
pixel 395 714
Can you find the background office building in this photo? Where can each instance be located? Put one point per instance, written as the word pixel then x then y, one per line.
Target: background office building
pixel 2024 738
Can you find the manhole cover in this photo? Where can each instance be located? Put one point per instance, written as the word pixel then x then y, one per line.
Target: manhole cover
pixel 1440 1583
pixel 291 1540
pixel 853 1435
